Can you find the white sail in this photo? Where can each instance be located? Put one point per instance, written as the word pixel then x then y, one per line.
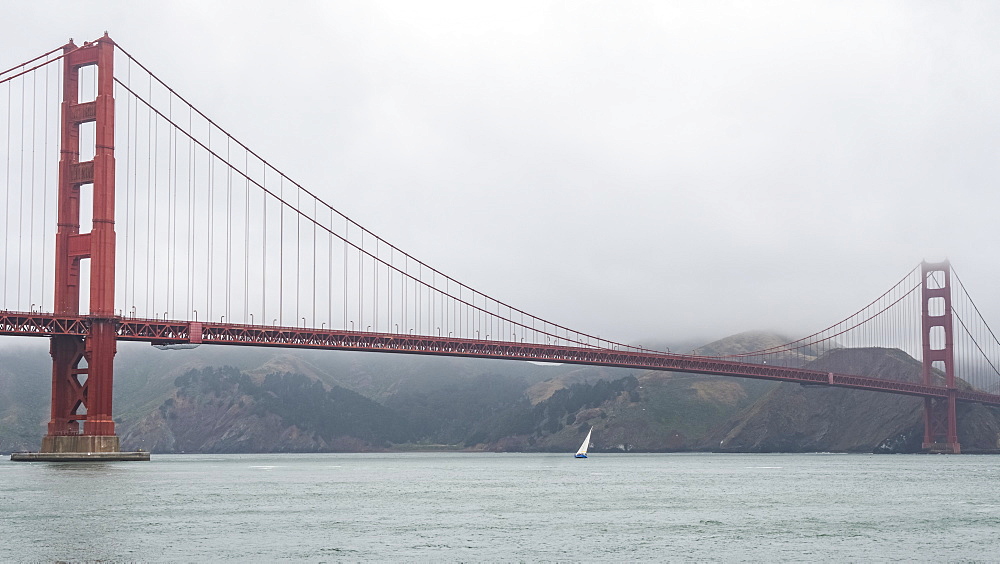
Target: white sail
pixel 586 443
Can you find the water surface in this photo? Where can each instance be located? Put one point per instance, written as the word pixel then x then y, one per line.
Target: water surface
pixel 475 507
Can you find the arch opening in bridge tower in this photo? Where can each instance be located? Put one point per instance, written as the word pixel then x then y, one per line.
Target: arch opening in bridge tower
pixel 937 338
pixel 935 307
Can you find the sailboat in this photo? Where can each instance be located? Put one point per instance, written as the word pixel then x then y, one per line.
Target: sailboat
pixel 582 453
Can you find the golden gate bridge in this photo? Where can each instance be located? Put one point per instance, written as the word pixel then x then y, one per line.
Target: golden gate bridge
pixel 194 238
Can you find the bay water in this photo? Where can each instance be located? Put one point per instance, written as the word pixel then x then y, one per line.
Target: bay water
pixel 504 507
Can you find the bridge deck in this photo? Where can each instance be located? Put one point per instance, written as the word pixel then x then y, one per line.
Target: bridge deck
pixel 192 332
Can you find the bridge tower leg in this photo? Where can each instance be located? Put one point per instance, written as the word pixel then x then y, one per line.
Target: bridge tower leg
pixel 940 420
pixel 82 393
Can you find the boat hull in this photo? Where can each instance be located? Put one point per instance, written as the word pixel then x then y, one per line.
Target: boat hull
pixel 579 456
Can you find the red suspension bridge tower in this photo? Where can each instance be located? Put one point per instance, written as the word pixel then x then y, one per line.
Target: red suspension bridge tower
pixel 940 419
pixel 83 367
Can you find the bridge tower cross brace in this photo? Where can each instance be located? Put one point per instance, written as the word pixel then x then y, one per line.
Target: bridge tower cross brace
pixel 84 393
pixel 940 418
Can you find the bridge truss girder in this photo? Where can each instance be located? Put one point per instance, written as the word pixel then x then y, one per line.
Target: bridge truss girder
pixel 170 332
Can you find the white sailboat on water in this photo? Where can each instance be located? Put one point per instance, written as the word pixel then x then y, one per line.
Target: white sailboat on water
pixel 582 453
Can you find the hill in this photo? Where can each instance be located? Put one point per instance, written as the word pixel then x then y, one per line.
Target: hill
pixel 796 418
pixel 225 410
pixel 233 399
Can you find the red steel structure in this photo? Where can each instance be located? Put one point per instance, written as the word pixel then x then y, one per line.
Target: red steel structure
pixel 83 393
pixel 161 332
pixel 940 416
pixel 83 344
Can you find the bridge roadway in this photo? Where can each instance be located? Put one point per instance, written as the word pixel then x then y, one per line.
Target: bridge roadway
pixel 168 332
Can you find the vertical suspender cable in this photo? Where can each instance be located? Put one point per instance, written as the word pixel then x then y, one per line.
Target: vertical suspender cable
pixel 246 240
pixel 281 251
pixel 20 200
pixel 391 276
pixel 329 277
pixel 152 208
pixel 149 199
pixel 45 183
pixel 315 218
pixel 171 211
pixel 31 227
pixel 361 286
pixel 403 295
pixel 209 291
pixel 192 172
pixel 123 258
pixel 263 249
pixel 229 229
pixel 130 233
pixel 175 263
pixel 347 234
pixel 298 252
pixel 6 192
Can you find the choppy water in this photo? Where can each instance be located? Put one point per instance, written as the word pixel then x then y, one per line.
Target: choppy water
pixel 530 507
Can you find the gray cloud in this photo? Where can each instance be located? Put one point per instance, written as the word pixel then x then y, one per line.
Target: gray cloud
pixel 638 170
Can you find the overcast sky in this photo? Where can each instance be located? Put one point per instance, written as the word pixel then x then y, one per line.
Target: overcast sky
pixel 640 170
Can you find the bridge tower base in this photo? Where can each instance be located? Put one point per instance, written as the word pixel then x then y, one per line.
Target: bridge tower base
pixel 80 443
pixel 940 415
